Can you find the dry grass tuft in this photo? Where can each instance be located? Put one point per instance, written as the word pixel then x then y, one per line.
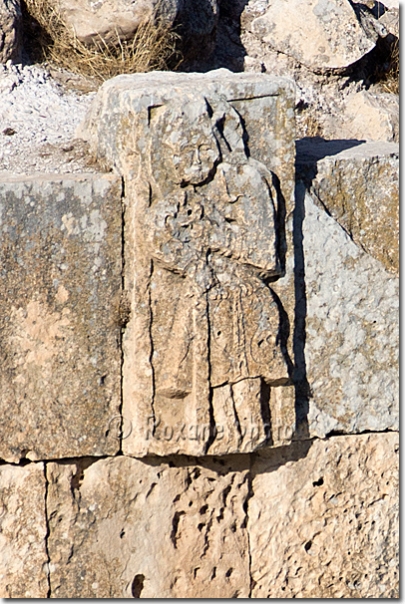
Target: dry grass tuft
pixel 155 46
pixel 390 79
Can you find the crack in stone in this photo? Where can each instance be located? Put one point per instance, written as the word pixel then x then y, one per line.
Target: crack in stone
pixel 152 404
pixel 123 291
pixel 249 496
pixel 48 531
pixel 237 421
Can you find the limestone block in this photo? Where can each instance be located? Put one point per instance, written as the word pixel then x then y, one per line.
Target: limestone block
pixel 366 116
pixel 23 530
pixel 60 284
pixel 390 20
pixel 10 30
pixel 323 523
pixel 203 356
pixel 391 4
pixel 109 18
pixel 122 528
pixel 352 332
pixel 359 187
pixel 329 37
pixel 90 20
pixel 265 104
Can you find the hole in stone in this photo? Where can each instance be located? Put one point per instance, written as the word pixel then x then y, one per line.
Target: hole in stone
pixel 204 509
pixel 318 483
pixel 214 572
pixel 229 572
pixel 122 533
pixel 308 546
pixel 137 585
pixel 176 498
pixel 201 526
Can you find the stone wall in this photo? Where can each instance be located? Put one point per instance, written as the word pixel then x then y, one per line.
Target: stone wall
pixel 199 374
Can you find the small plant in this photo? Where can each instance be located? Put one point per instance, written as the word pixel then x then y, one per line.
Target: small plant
pixel 154 46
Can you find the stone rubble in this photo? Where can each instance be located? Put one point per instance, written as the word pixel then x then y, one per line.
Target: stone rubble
pixel 38 119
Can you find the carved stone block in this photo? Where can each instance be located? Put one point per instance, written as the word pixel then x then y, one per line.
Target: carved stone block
pixel 204 242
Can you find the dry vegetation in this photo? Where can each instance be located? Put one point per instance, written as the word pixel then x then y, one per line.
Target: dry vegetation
pixel 390 79
pixel 155 46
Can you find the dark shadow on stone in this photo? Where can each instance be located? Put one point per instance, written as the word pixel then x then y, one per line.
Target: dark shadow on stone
pixel 281 241
pixel 227 50
pixel 270 460
pixel 302 388
pixel 311 150
pixel 283 333
pixel 196 24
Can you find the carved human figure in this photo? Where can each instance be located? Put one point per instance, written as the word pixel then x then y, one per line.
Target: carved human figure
pixel 211 231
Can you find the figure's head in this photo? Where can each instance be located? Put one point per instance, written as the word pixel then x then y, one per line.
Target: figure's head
pixel 190 149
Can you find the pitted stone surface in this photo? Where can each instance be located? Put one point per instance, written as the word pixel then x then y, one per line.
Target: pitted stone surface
pixel 359 187
pixel 23 530
pixel 323 523
pixel 122 528
pixel 204 363
pixel 60 282
pixel 352 332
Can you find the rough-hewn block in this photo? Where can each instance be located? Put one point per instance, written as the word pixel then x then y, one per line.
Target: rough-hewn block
pixel 352 330
pixel 359 187
pixel 323 520
pixel 204 240
pixel 23 530
pixel 122 528
pixel 60 282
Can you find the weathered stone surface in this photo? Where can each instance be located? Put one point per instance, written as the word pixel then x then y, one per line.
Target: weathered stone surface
pixel 265 103
pixel 324 523
pixel 366 116
pixel 390 20
pixel 10 30
pixel 203 355
pixel 332 37
pixel 60 283
pixel 109 18
pixel 359 187
pixel 124 528
pixel 23 529
pixel 352 333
